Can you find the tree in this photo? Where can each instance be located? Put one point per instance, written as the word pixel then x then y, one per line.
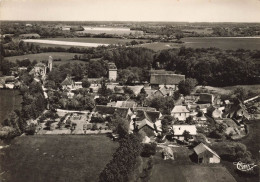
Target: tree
pixel 85 83
pixel 240 93
pixel 104 91
pixel 186 86
pixel 167 122
pixel 186 135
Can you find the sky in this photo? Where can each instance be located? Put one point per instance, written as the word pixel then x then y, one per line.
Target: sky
pixel 132 10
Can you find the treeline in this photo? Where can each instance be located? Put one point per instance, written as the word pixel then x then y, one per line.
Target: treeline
pixel 33 105
pixel 212 66
pixel 124 161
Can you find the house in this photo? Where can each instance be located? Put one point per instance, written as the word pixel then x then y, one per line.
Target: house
pixel 178 131
pixel 145 121
pixel 78 85
pixel 214 112
pixel 39 69
pixel 206 98
pixel 112 72
pixel 236 111
pixel 180 112
pixel 127 104
pixel 205 155
pixel 68 83
pixel 106 111
pixel 158 81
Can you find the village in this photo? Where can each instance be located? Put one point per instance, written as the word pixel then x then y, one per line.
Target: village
pixel 184 132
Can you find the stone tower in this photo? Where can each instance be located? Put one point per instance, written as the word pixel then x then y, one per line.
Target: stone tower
pixel 50 63
pixel 112 72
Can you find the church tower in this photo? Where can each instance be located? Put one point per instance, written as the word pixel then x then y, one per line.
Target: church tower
pixel 50 63
pixel 112 72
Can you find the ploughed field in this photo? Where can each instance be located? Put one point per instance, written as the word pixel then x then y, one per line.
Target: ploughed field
pixel 56 158
pixel 9 101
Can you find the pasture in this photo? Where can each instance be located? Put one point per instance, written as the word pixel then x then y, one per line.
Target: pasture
pixel 158 46
pixel 56 158
pixel 234 43
pixel 9 101
pixel 64 56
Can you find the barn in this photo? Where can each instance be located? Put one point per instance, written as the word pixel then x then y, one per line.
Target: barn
pixel 203 154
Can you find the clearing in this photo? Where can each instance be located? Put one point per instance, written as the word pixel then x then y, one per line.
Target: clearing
pixel 56 158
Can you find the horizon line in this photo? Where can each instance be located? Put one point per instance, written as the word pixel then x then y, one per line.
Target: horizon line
pixel 161 21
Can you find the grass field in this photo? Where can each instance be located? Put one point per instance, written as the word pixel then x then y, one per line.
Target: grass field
pixel 158 46
pixel 56 158
pixel 222 42
pixel 229 89
pixel 9 100
pixel 64 56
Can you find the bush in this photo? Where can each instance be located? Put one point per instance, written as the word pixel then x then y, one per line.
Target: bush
pixel 148 150
pixel 30 130
pixel 8 132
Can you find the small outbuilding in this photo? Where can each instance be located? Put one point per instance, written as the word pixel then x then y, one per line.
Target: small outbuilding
pixel 167 153
pixel 205 155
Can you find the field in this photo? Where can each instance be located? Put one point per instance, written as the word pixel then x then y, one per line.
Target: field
pixel 222 42
pixel 229 89
pixel 56 158
pixel 158 46
pixel 78 42
pixel 183 170
pixel 9 100
pixel 64 56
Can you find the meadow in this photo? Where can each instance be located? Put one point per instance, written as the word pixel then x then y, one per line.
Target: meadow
pixel 250 43
pixel 9 101
pixel 184 170
pixel 64 56
pixel 56 158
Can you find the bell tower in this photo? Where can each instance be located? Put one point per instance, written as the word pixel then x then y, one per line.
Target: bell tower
pixel 50 63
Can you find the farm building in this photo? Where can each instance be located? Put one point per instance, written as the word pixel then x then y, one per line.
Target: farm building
pixel 39 69
pixel 158 81
pixel 206 98
pixel 205 155
pixel 180 112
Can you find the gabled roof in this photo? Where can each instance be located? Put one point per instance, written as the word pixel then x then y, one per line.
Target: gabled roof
pixel 144 108
pixel 166 91
pixel 145 122
pixel 122 112
pixel 166 79
pixel 179 129
pixel 202 148
pixel 67 81
pixel 151 116
pixel 128 104
pixel 180 109
pixel 101 109
pixel 40 65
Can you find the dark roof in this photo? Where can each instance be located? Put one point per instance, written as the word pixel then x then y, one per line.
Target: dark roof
pixel 152 116
pixel 122 112
pixel 202 148
pixel 105 109
pixel 111 66
pixel 67 81
pixel 160 72
pixel 166 79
